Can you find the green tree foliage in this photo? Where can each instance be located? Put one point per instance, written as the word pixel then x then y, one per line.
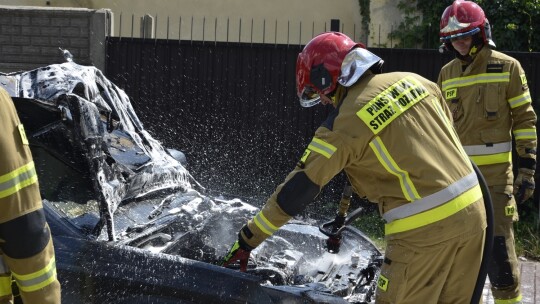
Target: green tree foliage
pixel 515 23
pixel 366 19
pixel 420 25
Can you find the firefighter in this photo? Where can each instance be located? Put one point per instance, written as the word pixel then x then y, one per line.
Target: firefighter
pixel 27 253
pixel 392 135
pixel 489 98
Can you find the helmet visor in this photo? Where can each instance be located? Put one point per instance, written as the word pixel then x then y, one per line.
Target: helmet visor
pixel 309 97
pixel 457 36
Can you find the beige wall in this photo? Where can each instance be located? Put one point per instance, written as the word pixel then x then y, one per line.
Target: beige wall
pixel 385 16
pixel 269 21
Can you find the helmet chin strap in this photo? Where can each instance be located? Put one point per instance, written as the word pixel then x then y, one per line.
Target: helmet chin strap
pixel 473 50
pixel 476 45
pixel 332 96
pixel 338 95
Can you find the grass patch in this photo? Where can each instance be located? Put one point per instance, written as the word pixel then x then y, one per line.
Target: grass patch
pixel 372 225
pixel 526 231
pixel 528 242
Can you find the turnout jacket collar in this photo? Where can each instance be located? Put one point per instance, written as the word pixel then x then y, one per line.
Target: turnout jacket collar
pixel 478 58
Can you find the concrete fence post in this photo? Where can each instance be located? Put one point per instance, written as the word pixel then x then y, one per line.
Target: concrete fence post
pixel 147 26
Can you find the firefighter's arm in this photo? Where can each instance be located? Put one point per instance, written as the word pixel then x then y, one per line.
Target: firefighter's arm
pixel 524 131
pixel 324 158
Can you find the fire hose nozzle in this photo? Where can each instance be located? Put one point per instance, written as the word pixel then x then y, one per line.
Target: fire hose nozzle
pixel 333 244
pixel 333 230
pixel 338 222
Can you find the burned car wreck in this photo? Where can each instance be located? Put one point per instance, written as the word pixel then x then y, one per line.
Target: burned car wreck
pixel 131 225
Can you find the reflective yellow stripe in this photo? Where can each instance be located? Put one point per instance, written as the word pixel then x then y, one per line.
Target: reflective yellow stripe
pixel 5 286
pixel 475 79
pixel 499 158
pixel 264 224
pixel 16 180
pixel 520 100
pixel 490 149
pixel 407 186
pixel 433 200
pixel 435 214
pixel 391 103
pixel 450 128
pixel 322 147
pixel 36 280
pixel 525 134
pixel 509 301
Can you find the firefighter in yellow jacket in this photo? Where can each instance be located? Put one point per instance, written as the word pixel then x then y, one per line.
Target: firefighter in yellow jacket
pixel 489 99
pixel 392 135
pixel 27 253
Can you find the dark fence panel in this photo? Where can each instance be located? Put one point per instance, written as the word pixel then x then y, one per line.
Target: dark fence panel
pixel 232 107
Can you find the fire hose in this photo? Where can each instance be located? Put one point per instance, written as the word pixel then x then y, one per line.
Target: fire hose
pixel 488 243
pixel 333 230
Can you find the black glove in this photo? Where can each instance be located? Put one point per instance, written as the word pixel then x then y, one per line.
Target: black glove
pixel 239 252
pixel 524 185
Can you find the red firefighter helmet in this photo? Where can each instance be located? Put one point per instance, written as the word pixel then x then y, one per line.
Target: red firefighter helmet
pixel 318 66
pixel 462 19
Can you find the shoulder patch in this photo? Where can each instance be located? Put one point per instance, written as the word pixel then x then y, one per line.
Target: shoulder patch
pixel 524 85
pixel 302 162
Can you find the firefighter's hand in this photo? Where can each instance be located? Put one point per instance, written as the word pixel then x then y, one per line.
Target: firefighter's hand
pixel 524 185
pixel 238 252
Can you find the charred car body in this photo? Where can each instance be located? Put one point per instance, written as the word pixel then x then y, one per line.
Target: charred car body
pixel 130 224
